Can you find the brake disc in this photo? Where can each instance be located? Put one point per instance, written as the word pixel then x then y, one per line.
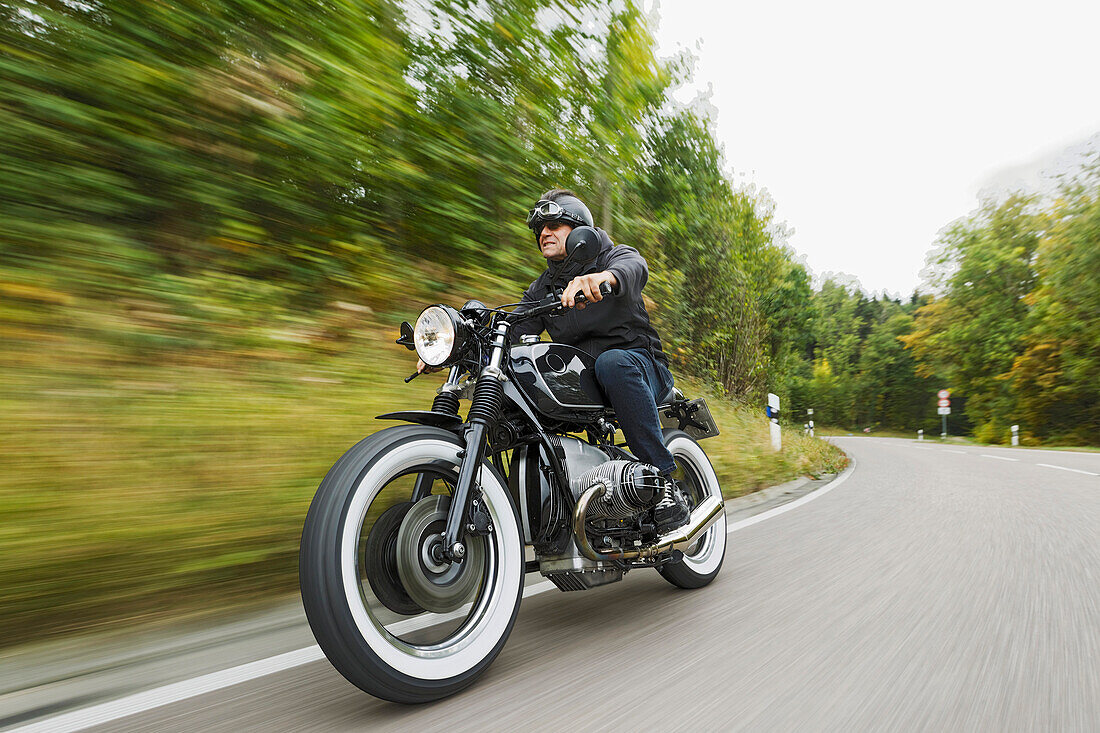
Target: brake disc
pixel 431 581
pixel 380 561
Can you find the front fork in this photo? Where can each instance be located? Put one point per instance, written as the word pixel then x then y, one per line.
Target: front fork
pixel 484 412
pixel 422 489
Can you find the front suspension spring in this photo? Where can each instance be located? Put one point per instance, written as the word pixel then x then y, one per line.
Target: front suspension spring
pixel 445 402
pixel 488 398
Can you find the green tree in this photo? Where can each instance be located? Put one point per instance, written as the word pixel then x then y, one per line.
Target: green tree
pixel 1056 380
pixel 975 330
pixel 892 392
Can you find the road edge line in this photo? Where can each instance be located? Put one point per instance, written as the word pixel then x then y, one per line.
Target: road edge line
pixel 749 521
pixel 141 702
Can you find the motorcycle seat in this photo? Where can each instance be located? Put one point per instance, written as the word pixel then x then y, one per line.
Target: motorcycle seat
pixel 674 395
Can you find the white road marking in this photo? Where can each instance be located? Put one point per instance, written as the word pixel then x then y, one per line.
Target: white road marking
pixel 534 590
pixel 999 458
pixel 1037 451
pixel 168 694
pixel 949 450
pixel 749 521
pixel 144 701
pixel 150 699
pixel 923 447
pixel 1063 468
pixel 1041 451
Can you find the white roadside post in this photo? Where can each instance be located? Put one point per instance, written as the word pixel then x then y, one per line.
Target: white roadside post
pixel 810 412
pixel 920 435
pixel 773 414
pixel 1015 435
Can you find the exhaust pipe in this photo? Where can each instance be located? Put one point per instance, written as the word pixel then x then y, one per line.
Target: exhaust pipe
pixel 704 516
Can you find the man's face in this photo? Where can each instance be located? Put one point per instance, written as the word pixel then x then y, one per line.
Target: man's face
pixel 552 240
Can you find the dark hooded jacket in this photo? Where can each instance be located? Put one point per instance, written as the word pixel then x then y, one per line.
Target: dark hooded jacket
pixel 616 322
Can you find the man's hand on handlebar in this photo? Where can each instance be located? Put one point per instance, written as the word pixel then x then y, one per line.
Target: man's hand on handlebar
pixel 422 368
pixel 592 286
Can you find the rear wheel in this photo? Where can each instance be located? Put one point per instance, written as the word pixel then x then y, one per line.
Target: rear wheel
pixel 391 614
pixel 703 559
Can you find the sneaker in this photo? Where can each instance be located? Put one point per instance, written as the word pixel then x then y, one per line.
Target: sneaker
pixel 672 510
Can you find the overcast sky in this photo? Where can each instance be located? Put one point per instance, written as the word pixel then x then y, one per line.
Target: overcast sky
pixel 874 124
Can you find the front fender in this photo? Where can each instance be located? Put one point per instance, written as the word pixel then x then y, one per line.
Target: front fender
pixel 432 418
pixel 388 437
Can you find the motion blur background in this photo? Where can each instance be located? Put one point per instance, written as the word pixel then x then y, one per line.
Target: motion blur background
pixel 213 215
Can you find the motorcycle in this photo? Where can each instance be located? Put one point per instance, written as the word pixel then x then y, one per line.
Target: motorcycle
pixel 415 546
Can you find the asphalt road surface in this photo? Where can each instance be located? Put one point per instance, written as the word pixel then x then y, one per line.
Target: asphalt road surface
pixel 934 588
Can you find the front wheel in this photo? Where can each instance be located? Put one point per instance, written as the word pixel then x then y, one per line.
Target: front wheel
pixel 390 614
pixel 703 559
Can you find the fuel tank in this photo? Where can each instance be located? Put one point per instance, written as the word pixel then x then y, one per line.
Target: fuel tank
pixel 559 379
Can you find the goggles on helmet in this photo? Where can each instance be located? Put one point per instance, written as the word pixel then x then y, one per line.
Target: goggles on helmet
pixel 548 211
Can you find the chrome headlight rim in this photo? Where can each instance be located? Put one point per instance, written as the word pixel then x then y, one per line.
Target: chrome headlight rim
pixel 439 335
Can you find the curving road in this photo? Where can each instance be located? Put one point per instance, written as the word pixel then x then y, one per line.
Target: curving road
pixel 934 588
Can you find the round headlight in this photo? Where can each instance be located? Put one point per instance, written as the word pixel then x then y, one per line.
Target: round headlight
pixel 435 336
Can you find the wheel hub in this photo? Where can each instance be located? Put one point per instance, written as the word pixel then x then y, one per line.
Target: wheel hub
pixel 431 554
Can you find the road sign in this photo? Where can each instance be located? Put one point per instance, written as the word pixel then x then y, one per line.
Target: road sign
pixel 945 403
pixel 943 394
pixel 943 411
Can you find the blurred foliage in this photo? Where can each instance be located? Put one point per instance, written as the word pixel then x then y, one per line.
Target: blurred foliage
pixel 207 177
pixel 972 334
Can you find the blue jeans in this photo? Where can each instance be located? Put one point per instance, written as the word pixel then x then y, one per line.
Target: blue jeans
pixel 633 381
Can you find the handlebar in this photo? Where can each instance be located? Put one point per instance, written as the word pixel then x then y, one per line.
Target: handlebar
pixel 552 304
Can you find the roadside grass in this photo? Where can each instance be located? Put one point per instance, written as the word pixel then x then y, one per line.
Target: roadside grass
pixel 141 493
pixel 743 456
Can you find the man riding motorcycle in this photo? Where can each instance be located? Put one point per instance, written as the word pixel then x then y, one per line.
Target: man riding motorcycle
pixel 415 547
pixel 631 368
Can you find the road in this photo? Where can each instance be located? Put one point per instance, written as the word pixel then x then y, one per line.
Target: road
pixel 934 588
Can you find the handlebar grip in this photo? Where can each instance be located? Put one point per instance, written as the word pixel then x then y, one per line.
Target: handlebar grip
pixel 605 291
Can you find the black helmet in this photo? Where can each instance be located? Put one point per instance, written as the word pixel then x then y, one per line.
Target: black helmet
pixel 561 206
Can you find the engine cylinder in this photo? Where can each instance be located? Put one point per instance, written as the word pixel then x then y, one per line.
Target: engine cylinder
pixel 630 487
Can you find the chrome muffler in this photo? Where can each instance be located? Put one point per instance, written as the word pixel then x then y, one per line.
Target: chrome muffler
pixel 704 516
